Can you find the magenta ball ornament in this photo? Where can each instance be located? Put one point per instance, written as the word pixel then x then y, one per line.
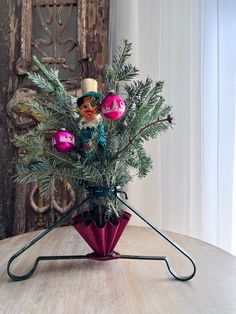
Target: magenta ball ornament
pixel 63 141
pixel 113 106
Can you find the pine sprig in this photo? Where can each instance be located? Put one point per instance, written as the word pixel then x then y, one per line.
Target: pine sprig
pixel 33 172
pixel 139 160
pixel 137 90
pixel 145 133
pixel 41 110
pixel 123 53
pixel 52 76
pixel 120 70
pixel 41 82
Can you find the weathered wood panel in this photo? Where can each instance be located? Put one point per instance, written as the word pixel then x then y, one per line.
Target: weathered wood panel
pixel 22 64
pixel 93 36
pixel 16 214
pixel 9 47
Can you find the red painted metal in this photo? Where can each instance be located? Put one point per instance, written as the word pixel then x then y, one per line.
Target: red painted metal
pixel 102 240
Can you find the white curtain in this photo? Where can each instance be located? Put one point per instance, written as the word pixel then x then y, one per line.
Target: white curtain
pixel 218 121
pixel 190 44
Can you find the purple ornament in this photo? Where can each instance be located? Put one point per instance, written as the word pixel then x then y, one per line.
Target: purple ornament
pixel 63 141
pixel 113 106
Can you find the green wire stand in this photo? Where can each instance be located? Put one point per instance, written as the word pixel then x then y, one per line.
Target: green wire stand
pixel 101 192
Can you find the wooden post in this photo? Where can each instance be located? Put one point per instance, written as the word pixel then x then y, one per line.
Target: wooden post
pixel 9 39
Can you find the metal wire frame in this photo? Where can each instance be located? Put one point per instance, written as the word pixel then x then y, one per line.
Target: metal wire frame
pixel 100 192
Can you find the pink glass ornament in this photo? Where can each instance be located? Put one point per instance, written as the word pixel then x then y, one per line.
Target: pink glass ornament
pixel 113 106
pixel 63 141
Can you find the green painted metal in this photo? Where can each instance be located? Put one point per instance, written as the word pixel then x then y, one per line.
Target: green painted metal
pixel 101 192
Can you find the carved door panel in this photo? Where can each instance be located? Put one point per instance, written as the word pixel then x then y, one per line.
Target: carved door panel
pixel 71 35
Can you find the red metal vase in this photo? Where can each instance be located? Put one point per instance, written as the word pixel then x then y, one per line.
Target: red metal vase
pixel 102 240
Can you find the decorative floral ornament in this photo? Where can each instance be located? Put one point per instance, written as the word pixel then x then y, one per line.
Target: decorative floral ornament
pixel 63 141
pixel 113 106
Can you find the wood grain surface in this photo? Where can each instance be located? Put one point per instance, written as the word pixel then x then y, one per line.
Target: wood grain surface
pixel 117 286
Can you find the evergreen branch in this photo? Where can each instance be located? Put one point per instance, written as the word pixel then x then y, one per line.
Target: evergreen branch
pixel 47 152
pixel 148 105
pixel 122 55
pixel 120 71
pixel 168 119
pixel 127 73
pixel 33 172
pixel 60 174
pixel 40 81
pixel 69 173
pixel 137 90
pixel 41 110
pixel 138 159
pixel 61 113
pixel 52 75
pixel 29 143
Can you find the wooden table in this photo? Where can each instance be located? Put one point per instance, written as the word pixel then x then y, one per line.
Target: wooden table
pixel 117 286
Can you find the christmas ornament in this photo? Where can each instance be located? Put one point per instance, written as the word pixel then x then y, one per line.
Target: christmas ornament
pixel 92 133
pixel 90 96
pixel 92 136
pixel 63 141
pixel 113 106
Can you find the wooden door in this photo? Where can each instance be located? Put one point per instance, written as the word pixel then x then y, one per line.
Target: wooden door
pixel 69 34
